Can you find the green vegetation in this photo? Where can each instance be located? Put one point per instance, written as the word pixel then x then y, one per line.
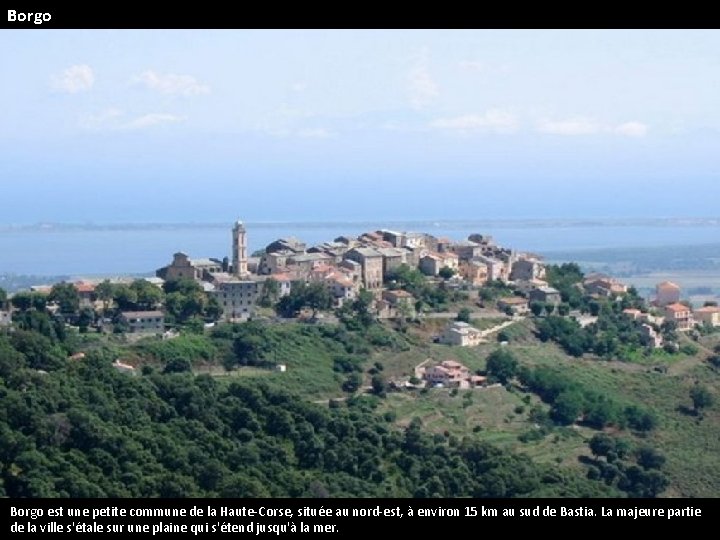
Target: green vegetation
pixel 83 429
pixel 427 295
pixel 316 408
pixel 314 296
pixel 501 365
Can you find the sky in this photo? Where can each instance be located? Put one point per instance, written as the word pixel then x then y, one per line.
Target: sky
pixel 114 126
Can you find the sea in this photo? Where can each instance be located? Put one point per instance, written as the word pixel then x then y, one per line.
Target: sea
pixel 136 249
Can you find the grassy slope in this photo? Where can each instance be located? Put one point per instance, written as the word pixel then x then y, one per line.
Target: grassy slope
pixel 692 445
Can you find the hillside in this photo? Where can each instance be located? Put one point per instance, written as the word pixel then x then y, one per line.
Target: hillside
pixel 81 428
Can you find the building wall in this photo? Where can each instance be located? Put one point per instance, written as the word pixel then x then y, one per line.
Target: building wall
pixel 709 317
pixel 145 324
pixel 667 295
pixel 238 299
pixel 430 266
pixel 239 245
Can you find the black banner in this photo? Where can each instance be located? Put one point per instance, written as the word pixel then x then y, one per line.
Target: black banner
pixel 124 15
pixel 341 517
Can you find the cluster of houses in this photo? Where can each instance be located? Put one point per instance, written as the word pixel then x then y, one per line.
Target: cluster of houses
pixel 348 264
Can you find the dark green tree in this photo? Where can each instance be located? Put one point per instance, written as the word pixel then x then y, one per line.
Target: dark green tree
pixel 149 296
pixel 602 444
pixel 567 407
pixel 270 293
pixel 66 296
pixel 446 272
pixel 105 292
pixel 701 397
pixel 502 365
pixel 464 315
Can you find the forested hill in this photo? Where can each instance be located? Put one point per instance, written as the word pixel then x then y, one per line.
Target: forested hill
pixel 83 429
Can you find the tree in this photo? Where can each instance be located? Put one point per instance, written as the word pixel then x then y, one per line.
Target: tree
pixel 502 365
pixel 251 345
pixel 317 297
pixel 125 296
pixel 602 444
pixel 549 308
pixel 701 397
pixel 536 308
pixel 650 458
pixel 86 318
pixel 356 315
pixel 563 309
pixel 446 272
pixel 464 315
pixel 352 383
pixel 105 292
pixel 29 300
pixel 66 296
pixel 379 385
pixel 710 303
pixel 270 293
pixel 3 297
pixel 568 406
pixel 148 295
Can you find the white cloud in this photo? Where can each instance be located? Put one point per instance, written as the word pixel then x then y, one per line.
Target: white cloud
pixel 299 86
pixel 572 126
pixel 493 120
pixel 152 119
pixel 170 83
pixel 585 126
pixel 78 78
pixel 113 119
pixel 632 129
pixel 422 88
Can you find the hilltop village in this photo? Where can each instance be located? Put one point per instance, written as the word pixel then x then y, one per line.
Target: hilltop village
pixel 386 274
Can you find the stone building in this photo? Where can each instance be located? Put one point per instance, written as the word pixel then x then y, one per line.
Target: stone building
pixel 371 262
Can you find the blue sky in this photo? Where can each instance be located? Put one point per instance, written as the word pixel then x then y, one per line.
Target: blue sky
pixel 156 126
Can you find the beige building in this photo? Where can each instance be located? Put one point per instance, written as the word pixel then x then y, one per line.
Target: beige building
pixel 305 262
pixel 466 250
pixel 341 288
pixel 681 315
pixel 447 373
pixel 183 267
pixel 666 293
pixel 392 258
pixel 239 250
pixel 371 262
pixel 515 305
pixel 237 297
pixel 433 262
pixel 547 295
pixel 604 286
pixel 402 302
pixel 527 270
pixel 708 315
pixel 144 322
pixel 461 334
pixel 474 272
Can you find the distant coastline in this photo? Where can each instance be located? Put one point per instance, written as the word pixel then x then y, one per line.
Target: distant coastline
pixel 417 223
